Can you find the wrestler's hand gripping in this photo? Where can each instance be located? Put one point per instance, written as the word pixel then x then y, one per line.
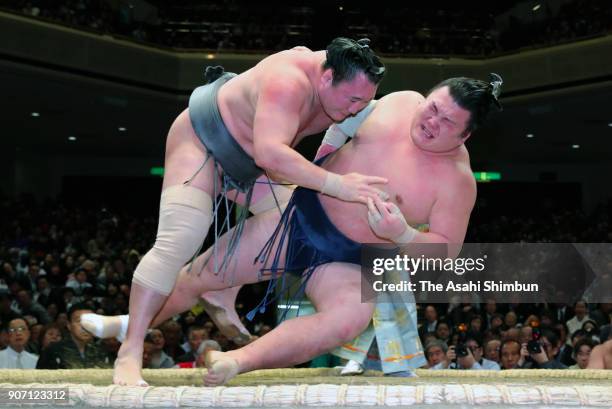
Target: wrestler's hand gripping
pixel 387 222
pixel 353 187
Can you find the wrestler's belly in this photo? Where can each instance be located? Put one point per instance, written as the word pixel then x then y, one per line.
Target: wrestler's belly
pixel 350 218
pixel 406 182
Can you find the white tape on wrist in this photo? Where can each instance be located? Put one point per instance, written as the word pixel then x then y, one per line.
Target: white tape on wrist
pixel 407 236
pixel 332 185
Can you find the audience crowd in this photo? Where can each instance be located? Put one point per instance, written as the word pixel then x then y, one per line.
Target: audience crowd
pixel 61 261
pixel 234 25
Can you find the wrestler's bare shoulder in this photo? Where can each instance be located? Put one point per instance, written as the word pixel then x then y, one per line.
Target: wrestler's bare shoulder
pixel 601 356
pixel 390 118
pixel 458 169
pixel 401 98
pixel 290 73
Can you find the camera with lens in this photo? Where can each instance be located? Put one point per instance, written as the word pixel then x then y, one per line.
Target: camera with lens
pixel 534 346
pixel 461 349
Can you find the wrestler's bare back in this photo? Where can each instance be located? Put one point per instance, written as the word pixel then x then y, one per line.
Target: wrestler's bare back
pixel 383 146
pixel 238 98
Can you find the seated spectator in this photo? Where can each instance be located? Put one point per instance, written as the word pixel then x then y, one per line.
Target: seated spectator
pixel 526 334
pixel 4 337
pixel 582 353
pixel 566 356
pixel 510 319
pixel 50 334
pixel 195 335
pixel 473 359
pixel 431 320
pixel 435 352
pixel 172 334
pixel 475 323
pixel 25 306
pixel 491 350
pixel 428 337
pixel 43 293
pixel 76 351
pixel 78 282
pixel 497 320
pixel 512 333
pixel 15 356
pixel 510 353
pixel 6 312
pixel 602 314
pixel 34 344
pixel 591 330
pixel 605 333
pixel 581 315
pixel 200 354
pixel 544 357
pixel 443 331
pixel 157 357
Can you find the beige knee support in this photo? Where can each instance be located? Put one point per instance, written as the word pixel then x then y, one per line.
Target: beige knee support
pixel 283 194
pixel 185 215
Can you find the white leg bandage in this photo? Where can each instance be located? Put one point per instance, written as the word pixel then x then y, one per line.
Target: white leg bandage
pixel 185 215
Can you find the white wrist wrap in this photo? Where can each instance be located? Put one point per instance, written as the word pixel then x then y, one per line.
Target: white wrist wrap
pixel 332 185
pixel 407 236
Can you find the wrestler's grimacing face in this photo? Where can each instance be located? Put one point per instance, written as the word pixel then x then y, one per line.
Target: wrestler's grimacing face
pixel 439 123
pixel 345 98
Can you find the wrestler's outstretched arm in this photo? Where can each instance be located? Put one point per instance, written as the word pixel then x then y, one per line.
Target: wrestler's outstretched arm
pixel 276 124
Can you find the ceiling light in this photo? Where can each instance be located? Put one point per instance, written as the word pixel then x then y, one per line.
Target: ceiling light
pixel 530 135
pixel 210 56
pixel 72 138
pixel 35 114
pixel 610 124
pixel 536 7
pixel 122 129
pixel 340 8
pixel 575 146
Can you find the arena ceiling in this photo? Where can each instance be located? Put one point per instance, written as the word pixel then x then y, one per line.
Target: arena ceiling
pixel 93 110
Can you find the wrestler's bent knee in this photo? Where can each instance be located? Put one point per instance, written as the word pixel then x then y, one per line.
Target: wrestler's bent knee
pixel 185 214
pixel 355 325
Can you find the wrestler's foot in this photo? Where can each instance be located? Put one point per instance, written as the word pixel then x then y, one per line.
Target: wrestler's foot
pixel 128 367
pixel 352 368
pixel 103 326
pixel 221 368
pixel 219 305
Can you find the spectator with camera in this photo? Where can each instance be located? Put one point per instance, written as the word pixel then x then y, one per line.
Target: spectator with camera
pixel 541 351
pixel 467 354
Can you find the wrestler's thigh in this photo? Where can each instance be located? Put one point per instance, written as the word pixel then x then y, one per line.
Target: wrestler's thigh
pixel 185 155
pixel 241 268
pixel 337 285
pixel 263 191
